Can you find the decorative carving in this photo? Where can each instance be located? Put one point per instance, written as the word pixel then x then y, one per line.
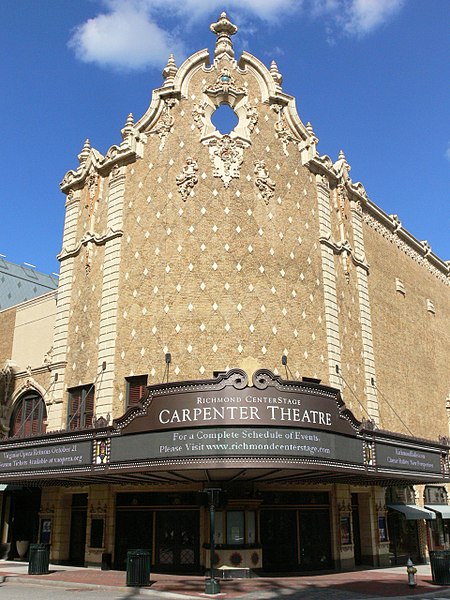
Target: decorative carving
pixel 342 202
pixel 281 127
pixel 225 85
pixel 369 453
pixel 101 421
pixel 48 357
pixel 6 383
pixel 227 156
pixel 263 182
pixel 341 167
pixel 188 178
pixel 92 190
pixel 115 172
pixel 198 114
pixel 166 122
pixel 89 238
pixel 252 117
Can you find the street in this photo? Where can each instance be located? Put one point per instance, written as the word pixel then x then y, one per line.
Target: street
pixel 24 591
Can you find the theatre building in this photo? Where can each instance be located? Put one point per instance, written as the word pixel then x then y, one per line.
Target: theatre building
pixel 233 313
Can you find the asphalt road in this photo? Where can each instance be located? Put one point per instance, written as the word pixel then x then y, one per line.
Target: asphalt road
pixel 25 591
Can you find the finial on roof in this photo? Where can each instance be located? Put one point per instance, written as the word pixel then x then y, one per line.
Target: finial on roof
pixel 130 120
pixel 169 71
pixel 84 154
pixel 341 166
pixel 224 29
pixel 276 75
pixel 310 130
pixel 128 127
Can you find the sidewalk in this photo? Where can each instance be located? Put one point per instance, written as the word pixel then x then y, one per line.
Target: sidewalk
pixel 362 584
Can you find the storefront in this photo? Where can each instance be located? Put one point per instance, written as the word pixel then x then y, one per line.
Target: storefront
pixel 301 480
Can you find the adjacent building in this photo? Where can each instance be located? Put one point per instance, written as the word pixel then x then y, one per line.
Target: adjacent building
pixel 233 313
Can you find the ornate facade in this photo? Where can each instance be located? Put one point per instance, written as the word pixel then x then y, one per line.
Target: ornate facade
pixel 220 292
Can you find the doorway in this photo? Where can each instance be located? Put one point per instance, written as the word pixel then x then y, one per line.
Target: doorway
pixel 134 530
pixel 78 521
pixel 177 541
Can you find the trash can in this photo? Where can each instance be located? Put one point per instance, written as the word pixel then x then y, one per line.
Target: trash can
pixel 38 559
pixel 440 566
pixel 106 561
pixel 138 567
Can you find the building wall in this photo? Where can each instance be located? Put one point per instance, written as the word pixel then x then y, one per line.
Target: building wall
pixel 411 339
pixel 7 323
pixel 33 331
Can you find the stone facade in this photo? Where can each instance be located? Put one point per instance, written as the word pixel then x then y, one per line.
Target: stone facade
pixel 243 249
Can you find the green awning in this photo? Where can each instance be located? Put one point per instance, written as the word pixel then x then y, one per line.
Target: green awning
pixel 413 512
pixel 440 509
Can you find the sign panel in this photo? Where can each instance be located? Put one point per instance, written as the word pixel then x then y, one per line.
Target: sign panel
pixel 46 457
pixel 400 458
pixel 237 442
pixel 248 407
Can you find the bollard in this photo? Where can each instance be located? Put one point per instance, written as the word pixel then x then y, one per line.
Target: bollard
pixel 411 570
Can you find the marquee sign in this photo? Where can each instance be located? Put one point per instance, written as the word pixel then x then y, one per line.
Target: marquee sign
pixel 228 422
pixel 233 402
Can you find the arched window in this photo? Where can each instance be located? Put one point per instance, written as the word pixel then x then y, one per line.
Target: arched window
pixel 29 416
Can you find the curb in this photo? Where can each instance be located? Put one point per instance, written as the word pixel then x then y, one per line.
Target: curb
pixel 98 586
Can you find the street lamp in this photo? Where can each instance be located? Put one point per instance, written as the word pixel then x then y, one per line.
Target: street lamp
pixel 212 586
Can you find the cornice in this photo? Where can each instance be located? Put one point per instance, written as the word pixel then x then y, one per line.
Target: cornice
pixel 391 229
pixel 389 226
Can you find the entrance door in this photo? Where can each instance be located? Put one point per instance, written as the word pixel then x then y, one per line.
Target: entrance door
pixel 404 539
pixel 78 523
pixel 177 540
pixel 279 540
pixel 134 530
pixel 315 543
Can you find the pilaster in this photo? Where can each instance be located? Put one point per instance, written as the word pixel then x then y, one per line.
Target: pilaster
pixel 329 281
pixel 59 358
pixel 110 294
pixel 365 316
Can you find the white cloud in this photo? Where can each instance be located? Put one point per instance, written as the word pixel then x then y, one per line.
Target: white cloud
pixel 363 16
pixel 124 38
pixel 447 154
pixel 136 34
pixel 355 17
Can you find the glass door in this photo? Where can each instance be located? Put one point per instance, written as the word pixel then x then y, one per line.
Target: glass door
pixel 177 540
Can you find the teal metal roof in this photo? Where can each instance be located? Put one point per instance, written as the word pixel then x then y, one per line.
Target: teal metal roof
pixel 19 283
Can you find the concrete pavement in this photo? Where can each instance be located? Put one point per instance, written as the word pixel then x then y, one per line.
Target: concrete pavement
pixel 368 584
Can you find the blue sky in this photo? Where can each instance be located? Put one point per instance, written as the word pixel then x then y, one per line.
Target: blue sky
pixel 371 75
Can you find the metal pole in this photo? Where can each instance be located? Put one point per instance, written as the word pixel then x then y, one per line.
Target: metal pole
pixel 212 586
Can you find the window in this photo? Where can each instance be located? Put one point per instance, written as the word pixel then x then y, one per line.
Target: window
pixel 136 388
pixel 81 407
pixel 29 416
pixel 235 527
